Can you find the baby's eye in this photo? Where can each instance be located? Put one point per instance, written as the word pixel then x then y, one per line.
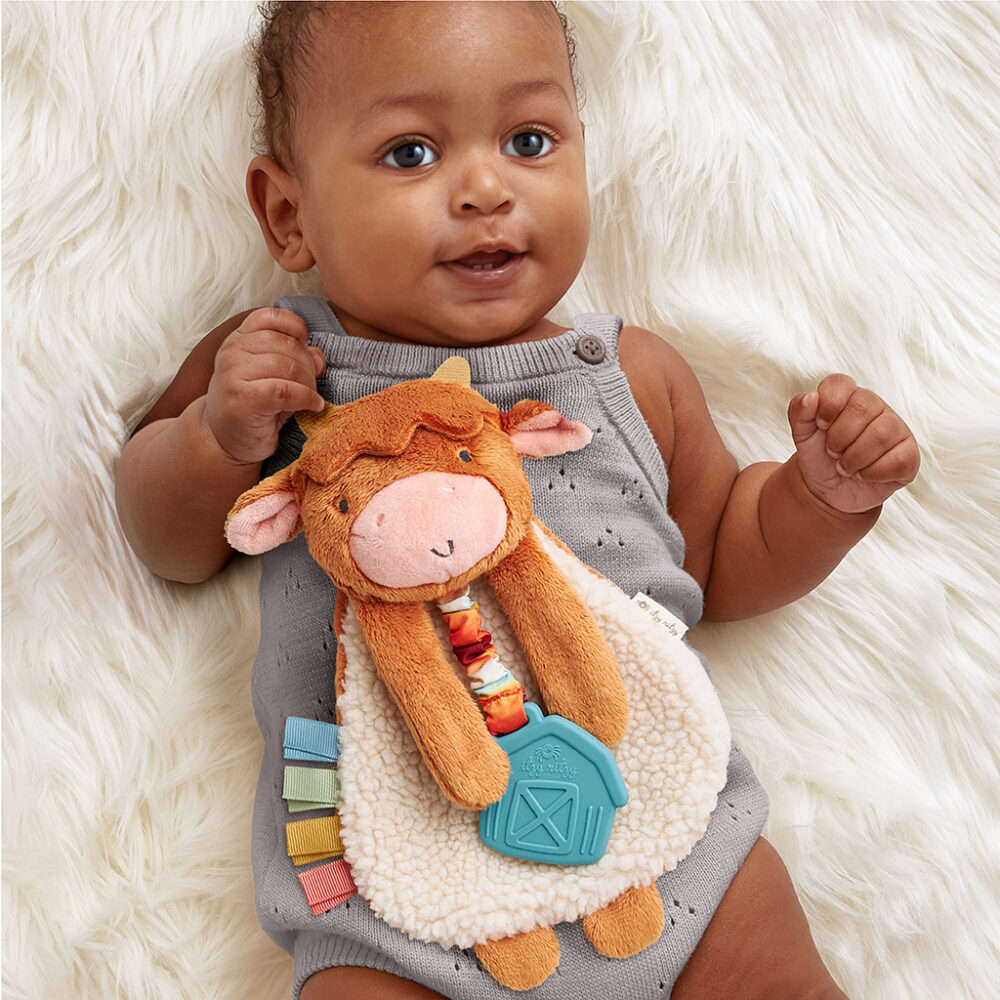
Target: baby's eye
pixel 409 154
pixel 464 456
pixel 528 144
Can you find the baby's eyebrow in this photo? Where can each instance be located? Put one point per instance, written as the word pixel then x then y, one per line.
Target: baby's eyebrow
pixel 530 88
pixel 429 100
pixel 389 102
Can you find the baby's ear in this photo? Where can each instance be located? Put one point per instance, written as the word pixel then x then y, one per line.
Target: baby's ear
pixel 274 196
pixel 536 430
pixel 264 517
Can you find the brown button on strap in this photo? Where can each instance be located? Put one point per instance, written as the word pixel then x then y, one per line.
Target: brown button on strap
pixel 590 349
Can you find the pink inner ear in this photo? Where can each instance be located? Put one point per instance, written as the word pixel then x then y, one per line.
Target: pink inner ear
pixel 550 433
pixel 264 524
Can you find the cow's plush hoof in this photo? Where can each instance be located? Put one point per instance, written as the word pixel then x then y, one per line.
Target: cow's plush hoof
pixel 627 924
pixel 523 961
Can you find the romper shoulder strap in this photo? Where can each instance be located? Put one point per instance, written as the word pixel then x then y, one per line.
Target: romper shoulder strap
pixel 314 310
pixel 604 326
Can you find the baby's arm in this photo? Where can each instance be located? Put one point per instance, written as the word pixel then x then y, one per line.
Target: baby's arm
pixel 203 442
pixel 758 538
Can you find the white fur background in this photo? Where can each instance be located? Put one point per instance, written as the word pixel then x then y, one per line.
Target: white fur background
pixel 797 189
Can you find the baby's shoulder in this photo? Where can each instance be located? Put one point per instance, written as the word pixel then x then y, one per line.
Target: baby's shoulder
pixel 651 363
pixel 648 354
pixel 664 385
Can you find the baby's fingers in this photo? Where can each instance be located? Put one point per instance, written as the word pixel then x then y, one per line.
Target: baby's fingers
pixel 802 416
pixel 279 359
pixel 898 465
pixel 861 408
pixel 833 395
pixel 876 439
pixel 281 320
pixel 281 331
pixel 318 360
pixel 281 396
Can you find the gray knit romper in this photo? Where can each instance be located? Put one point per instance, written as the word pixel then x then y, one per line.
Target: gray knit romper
pixel 608 503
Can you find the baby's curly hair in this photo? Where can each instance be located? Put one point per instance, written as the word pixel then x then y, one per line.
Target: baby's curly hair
pixel 280 52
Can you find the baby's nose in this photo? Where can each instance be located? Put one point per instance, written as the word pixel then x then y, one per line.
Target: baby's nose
pixel 482 189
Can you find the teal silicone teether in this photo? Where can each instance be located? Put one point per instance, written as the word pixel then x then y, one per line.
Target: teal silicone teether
pixel 564 790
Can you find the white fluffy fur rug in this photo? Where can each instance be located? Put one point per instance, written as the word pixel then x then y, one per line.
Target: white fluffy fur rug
pixel 796 189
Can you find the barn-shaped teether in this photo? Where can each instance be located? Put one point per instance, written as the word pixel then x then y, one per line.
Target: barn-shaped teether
pixel 564 790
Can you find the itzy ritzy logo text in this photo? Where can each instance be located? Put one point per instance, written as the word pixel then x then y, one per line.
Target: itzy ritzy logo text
pixel 547 760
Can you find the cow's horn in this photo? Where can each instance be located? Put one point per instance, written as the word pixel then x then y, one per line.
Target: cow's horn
pixel 455 370
pixel 309 420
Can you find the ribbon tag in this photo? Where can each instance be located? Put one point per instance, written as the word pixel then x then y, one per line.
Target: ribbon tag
pixel 328 886
pixel 313 839
pixel 307 739
pixel 310 788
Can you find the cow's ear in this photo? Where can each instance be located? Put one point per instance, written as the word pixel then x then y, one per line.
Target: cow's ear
pixel 536 430
pixel 264 517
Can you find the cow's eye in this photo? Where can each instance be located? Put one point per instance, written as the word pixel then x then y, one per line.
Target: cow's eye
pixel 343 506
pixel 464 456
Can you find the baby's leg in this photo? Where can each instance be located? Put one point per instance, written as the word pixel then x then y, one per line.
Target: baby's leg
pixel 355 983
pixel 758 945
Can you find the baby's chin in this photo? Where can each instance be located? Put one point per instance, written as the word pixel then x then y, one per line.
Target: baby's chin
pixel 478 325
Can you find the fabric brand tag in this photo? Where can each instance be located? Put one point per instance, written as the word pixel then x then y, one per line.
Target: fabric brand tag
pixel 661 615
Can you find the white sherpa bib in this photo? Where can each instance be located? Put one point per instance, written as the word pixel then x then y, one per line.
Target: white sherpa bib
pixel 417 857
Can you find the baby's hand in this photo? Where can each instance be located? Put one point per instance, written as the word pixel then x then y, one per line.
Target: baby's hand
pixel 264 372
pixel 853 450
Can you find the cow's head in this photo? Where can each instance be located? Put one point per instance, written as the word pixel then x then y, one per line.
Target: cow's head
pixel 408 493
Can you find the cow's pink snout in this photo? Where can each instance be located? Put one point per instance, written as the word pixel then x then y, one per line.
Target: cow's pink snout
pixel 427 528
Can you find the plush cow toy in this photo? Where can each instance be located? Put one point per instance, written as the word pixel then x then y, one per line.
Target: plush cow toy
pixel 410 496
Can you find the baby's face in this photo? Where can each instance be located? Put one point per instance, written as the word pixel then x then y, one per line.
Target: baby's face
pixel 441 164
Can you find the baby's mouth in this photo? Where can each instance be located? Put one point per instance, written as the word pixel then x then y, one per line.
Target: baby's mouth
pixel 487 269
pixel 485 260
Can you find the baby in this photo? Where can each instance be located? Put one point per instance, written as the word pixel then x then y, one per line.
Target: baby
pixel 428 161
